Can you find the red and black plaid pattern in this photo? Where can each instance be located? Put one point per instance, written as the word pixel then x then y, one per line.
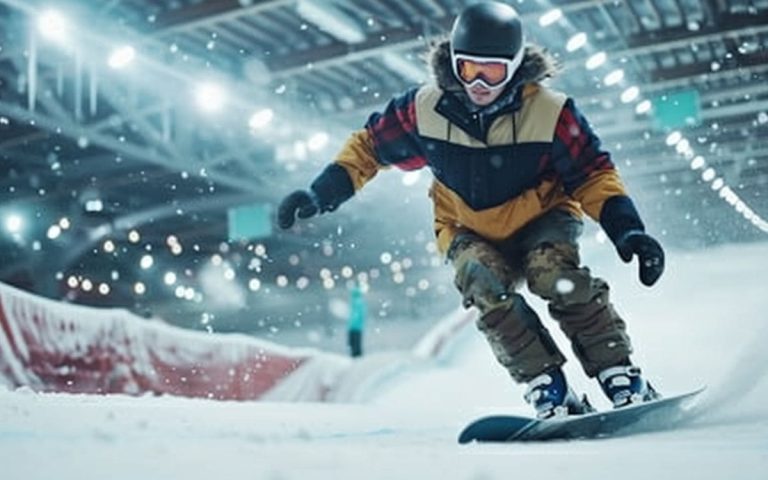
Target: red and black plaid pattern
pixel 394 133
pixel 576 150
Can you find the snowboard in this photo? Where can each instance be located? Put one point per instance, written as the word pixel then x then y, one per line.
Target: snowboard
pixel 661 414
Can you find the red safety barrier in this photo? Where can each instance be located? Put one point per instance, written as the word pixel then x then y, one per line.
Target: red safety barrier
pixel 52 346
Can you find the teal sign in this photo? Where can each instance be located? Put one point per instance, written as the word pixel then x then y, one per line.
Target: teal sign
pixel 678 109
pixel 249 222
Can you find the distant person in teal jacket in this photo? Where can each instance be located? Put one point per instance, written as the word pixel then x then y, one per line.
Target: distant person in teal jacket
pixel 356 322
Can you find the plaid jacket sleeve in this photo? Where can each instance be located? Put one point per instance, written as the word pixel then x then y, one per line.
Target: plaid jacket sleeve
pixel 584 167
pixel 394 133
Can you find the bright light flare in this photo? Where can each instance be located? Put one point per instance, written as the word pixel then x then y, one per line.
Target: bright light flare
pixel 261 119
pixel 146 262
pixel 210 97
pixel 14 223
pixel 121 57
pixel 54 231
pixel 318 141
pixel 53 26
pixel 169 278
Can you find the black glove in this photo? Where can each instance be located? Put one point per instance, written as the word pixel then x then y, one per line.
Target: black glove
pixel 648 251
pixel 302 203
pixel 329 190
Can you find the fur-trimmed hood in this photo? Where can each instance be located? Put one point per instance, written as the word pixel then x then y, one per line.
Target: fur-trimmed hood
pixel 537 65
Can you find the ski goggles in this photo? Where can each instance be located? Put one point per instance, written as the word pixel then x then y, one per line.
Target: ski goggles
pixel 491 72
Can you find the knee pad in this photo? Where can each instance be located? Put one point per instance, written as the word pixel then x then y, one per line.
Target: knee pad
pixel 483 276
pixel 553 273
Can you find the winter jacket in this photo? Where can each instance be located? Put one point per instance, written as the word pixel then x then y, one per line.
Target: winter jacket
pixel 495 168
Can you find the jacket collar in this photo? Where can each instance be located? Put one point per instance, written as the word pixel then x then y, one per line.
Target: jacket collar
pixel 459 110
pixel 456 106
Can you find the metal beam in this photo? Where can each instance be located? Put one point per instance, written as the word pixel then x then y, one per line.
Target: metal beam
pixel 207 13
pixel 403 39
pixel 392 40
pixel 134 151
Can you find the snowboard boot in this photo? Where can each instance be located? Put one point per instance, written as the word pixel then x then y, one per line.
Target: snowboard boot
pixel 624 385
pixel 551 396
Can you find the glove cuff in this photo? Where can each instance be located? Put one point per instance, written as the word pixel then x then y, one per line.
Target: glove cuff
pixel 332 188
pixel 460 242
pixel 619 217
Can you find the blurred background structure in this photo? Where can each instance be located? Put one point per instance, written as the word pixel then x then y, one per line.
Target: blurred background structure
pixel 144 145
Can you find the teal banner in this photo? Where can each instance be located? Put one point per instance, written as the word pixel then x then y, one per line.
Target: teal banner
pixel 678 109
pixel 249 222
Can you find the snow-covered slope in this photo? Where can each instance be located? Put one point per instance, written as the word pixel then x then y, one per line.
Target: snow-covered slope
pixel 705 323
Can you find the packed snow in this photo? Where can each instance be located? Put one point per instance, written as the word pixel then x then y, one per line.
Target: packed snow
pixel 703 324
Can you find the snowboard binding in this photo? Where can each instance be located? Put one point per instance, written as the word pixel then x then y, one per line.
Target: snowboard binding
pixel 551 396
pixel 624 385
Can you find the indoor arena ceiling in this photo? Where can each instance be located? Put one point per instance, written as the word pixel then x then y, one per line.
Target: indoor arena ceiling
pixel 106 158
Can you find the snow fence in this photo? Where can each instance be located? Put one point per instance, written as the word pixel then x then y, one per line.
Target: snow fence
pixel 49 346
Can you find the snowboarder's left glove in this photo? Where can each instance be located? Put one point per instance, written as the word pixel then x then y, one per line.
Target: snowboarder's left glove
pixel 622 224
pixel 648 251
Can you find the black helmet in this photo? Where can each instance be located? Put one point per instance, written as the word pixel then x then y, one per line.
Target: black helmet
pixel 488 29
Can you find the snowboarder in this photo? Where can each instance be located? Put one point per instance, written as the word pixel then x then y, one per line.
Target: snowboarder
pixel 515 164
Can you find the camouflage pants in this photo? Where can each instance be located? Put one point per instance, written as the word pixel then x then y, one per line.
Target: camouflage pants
pixel 545 255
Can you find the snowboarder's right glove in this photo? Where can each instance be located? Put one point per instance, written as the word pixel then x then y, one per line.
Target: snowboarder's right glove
pixel 648 251
pixel 301 203
pixel 622 224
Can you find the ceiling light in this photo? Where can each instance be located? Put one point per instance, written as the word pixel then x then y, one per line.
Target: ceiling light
pixel 94 205
pixel 14 223
pixel 683 147
pixel 596 60
pixel 261 119
pixel 53 26
pixel 643 107
pixel 614 77
pixel 331 20
pixel 121 57
pixel 576 42
pixel 550 17
pixel 630 94
pixel 697 163
pixel 673 138
pixel 210 97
